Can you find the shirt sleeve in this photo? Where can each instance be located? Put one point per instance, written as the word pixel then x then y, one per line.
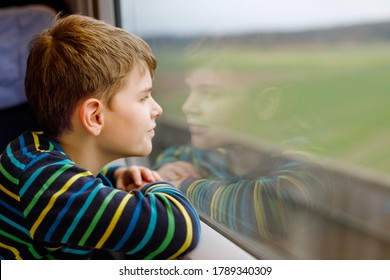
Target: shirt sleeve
pixel 108 172
pixel 66 205
pixel 251 207
pixel 264 207
pixel 174 153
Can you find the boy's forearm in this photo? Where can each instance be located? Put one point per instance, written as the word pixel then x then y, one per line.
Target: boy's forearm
pixel 166 217
pixel 158 222
pixel 109 172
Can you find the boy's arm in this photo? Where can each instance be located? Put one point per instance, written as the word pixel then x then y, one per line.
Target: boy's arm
pixel 173 154
pixel 131 177
pixel 109 171
pixel 264 206
pixel 251 207
pixel 76 209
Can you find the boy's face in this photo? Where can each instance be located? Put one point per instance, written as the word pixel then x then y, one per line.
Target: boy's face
pixel 129 124
pixel 214 100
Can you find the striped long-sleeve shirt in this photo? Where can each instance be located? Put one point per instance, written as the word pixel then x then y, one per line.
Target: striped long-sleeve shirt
pixel 260 203
pixel 52 209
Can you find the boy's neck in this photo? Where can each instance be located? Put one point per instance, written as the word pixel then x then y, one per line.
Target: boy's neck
pixel 242 160
pixel 83 152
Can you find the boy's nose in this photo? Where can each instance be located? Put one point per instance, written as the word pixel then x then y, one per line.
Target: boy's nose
pixel 191 105
pixel 157 110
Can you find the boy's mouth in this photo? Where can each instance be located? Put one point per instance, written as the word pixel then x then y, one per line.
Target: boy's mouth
pixel 151 131
pixel 196 128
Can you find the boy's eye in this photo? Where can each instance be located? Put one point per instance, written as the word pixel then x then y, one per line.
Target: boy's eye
pixel 212 93
pixel 143 99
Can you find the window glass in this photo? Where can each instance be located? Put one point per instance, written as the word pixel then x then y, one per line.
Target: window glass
pixel 284 107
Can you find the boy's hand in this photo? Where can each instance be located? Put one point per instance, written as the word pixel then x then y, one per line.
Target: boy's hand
pixel 134 177
pixel 177 171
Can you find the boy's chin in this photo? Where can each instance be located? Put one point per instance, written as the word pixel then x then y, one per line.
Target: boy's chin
pixel 140 152
pixel 202 144
pixel 145 151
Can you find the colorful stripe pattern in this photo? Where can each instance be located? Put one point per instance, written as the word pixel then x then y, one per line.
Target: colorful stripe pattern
pixel 257 204
pixel 52 209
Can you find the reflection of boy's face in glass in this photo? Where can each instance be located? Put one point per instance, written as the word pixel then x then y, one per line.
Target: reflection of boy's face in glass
pixel 214 101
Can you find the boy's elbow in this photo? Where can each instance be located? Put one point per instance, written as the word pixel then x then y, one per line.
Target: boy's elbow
pixel 189 233
pixel 195 233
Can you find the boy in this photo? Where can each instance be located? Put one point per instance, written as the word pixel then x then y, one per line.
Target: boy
pixel 89 85
pixel 254 192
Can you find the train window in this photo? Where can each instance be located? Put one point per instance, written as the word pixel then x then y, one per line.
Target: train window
pixel 281 107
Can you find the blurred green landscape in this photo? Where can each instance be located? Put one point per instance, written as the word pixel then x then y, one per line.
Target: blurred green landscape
pixel 335 95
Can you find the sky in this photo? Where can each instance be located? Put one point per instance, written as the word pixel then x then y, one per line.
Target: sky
pixel 183 17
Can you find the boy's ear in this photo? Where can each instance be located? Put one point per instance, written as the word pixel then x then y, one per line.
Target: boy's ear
pixel 91 116
pixel 268 102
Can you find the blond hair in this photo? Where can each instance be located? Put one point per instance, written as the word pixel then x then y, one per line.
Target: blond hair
pixel 77 58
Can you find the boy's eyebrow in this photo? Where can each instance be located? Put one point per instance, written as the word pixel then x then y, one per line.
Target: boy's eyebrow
pixel 148 89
